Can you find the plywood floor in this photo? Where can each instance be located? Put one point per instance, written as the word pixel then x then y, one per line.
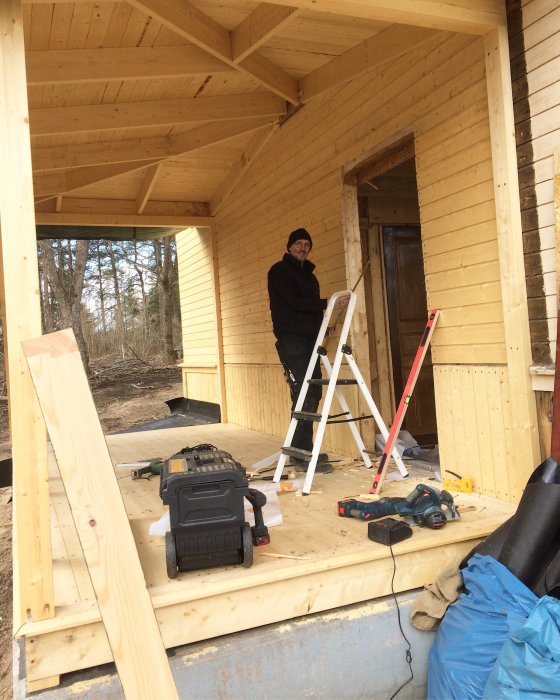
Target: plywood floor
pixel 316 560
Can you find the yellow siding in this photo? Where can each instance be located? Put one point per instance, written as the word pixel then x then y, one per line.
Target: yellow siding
pixel 198 315
pixel 437 93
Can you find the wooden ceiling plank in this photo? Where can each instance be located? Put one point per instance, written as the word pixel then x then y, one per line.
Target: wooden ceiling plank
pixel 127 115
pixel 130 150
pixel 388 44
pixel 466 16
pixel 90 65
pixel 258 27
pixel 147 186
pixel 188 21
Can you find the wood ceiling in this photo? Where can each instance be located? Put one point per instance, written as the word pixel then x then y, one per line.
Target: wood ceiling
pixel 147 112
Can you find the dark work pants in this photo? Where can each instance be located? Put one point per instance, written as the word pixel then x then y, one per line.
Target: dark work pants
pixel 294 352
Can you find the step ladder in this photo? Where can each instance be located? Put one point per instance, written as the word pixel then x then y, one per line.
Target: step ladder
pixel 332 382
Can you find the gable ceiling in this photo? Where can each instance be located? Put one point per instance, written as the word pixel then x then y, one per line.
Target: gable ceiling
pixel 147 112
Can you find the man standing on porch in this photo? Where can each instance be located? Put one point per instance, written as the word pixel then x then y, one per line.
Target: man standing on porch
pixel 297 309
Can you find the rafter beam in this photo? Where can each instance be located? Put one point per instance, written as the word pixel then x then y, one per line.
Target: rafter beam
pixel 265 21
pixel 465 16
pixel 122 212
pixel 192 24
pixel 232 178
pixel 91 65
pixel 147 186
pixel 130 150
pixel 127 115
pixel 388 44
pixel 60 183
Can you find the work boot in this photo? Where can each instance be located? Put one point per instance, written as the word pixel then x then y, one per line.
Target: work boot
pixel 322 467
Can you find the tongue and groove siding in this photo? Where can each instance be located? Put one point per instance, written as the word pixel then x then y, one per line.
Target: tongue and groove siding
pixel 439 94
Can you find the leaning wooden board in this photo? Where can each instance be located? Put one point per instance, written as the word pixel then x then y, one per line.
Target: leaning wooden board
pixel 100 516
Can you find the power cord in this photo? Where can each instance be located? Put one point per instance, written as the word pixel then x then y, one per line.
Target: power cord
pixel 408 652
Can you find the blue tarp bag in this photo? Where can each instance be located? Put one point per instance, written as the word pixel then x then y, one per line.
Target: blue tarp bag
pixel 474 630
pixel 528 665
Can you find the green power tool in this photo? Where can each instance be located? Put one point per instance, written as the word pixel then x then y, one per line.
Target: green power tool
pixel 427 506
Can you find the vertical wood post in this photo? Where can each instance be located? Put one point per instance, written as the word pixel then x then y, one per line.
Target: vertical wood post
pixel 219 335
pixel 354 263
pixel 525 452
pixel 555 441
pixel 33 584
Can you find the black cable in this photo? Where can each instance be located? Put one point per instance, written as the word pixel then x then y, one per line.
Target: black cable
pixel 407 653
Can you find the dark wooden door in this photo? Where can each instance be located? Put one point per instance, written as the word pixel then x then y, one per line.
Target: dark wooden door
pixel 406 295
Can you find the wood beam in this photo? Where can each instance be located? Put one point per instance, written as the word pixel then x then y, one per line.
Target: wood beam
pixel 78 211
pixel 386 162
pixel 383 47
pixel 147 186
pixel 49 184
pixel 525 450
pixel 192 24
pixel 265 21
pixel 91 65
pixel 463 16
pixel 126 115
pixel 254 148
pixel 33 582
pixel 100 516
pixel 130 150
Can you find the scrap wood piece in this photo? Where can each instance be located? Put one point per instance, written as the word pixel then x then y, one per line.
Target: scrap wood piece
pixel 100 516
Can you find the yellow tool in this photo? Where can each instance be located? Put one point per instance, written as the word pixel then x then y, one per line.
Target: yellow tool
pixel 462 484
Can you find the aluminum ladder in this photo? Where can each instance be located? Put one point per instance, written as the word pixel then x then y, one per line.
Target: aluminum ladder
pixel 343 352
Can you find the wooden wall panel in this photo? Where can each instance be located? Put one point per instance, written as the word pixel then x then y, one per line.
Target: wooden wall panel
pixel 475 429
pixel 439 94
pixel 198 316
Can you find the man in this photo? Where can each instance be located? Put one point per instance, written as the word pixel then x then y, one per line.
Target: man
pixel 297 309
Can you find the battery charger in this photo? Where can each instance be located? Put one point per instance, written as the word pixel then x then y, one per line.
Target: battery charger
pixel 389 531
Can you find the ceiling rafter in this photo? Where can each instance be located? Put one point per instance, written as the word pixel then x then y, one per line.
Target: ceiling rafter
pixel 192 24
pixel 130 150
pixel 92 65
pixel 55 183
pixel 147 186
pixel 386 45
pixel 46 121
pixel 265 21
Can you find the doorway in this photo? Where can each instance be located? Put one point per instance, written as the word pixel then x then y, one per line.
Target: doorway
pixel 396 303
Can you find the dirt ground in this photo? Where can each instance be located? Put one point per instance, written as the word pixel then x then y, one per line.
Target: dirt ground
pixel 126 394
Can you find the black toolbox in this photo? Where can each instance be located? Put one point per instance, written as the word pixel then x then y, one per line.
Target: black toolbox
pixel 205 490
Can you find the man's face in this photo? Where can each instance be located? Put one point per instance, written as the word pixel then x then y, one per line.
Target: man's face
pixel 300 249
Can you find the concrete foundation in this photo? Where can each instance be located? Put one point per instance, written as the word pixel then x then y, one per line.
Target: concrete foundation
pixel 353 652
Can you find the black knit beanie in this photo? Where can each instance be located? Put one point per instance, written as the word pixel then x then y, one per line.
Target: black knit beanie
pixel 300 234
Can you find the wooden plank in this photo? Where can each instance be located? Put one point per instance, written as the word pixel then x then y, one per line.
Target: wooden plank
pixel 147 186
pixel 100 516
pixel 512 270
pixel 262 23
pixel 33 585
pixel 127 115
pixel 123 63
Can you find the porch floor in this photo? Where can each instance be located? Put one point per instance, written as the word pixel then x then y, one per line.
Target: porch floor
pixel 316 561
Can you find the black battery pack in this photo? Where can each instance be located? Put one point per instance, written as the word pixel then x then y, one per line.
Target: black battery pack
pixel 389 531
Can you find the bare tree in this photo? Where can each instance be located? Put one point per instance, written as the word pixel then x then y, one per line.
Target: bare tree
pixel 66 280
pixel 165 276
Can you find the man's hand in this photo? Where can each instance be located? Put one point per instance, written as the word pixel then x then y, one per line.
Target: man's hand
pixel 342 301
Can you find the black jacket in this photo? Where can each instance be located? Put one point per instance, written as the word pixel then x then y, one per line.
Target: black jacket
pixel 295 299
